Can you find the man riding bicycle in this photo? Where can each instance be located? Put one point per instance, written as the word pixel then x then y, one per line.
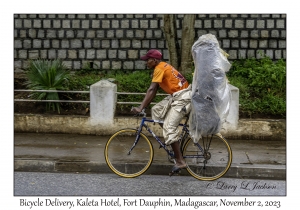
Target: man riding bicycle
pixel 171 109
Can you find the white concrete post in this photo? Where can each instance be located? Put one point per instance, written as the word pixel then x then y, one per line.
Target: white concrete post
pixel 233 115
pixel 103 101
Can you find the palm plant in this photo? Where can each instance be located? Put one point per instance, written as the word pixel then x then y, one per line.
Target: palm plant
pixel 47 75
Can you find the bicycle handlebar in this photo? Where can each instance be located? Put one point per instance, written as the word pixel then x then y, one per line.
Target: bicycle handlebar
pixel 142 113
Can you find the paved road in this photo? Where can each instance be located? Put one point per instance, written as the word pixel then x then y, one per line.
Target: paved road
pixel 76 184
pixel 85 153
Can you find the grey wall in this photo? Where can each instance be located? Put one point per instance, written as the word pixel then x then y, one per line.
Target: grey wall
pixel 116 41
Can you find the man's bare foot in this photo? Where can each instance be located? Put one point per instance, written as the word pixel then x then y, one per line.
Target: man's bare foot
pixel 180 164
pixel 176 169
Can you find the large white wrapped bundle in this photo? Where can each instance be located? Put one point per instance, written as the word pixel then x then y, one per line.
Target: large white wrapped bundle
pixel 210 91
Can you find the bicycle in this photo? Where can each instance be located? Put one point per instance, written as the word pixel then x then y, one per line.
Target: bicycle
pixel 129 152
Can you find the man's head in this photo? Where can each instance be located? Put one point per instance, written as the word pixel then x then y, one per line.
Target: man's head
pixel 152 58
pixel 152 54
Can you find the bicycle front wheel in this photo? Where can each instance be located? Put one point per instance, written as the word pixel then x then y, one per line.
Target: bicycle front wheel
pixel 126 162
pixel 209 159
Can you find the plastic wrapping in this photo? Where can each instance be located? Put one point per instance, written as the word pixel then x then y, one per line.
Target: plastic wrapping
pixel 210 90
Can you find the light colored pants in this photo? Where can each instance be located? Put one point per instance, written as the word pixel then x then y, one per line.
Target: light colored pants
pixel 171 110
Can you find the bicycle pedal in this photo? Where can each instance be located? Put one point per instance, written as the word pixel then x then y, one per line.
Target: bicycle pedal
pixel 174 172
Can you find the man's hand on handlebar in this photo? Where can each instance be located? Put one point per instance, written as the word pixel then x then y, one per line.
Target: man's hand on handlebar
pixel 136 110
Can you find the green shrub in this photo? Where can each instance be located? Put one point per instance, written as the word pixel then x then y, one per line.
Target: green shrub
pixel 133 82
pixel 80 82
pixel 83 81
pixel 262 85
pixel 261 82
pixel 189 77
pixel 47 75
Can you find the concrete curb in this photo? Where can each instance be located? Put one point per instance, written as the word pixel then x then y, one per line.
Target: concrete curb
pixel 257 129
pixel 250 172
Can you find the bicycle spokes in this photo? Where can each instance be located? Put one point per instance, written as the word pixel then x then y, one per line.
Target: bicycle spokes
pixel 126 156
pixel 206 142
pixel 208 159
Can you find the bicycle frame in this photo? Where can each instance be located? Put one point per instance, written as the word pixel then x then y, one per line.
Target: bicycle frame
pixel 183 137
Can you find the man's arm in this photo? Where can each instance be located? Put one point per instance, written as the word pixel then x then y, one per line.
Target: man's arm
pixel 151 93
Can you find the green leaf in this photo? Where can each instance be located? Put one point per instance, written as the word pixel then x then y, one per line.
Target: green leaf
pixel 46 75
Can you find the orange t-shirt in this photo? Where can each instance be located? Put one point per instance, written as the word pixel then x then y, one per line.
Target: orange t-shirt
pixel 169 79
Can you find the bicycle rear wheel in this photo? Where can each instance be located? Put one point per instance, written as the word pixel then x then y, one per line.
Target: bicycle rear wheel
pixel 209 159
pixel 126 164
